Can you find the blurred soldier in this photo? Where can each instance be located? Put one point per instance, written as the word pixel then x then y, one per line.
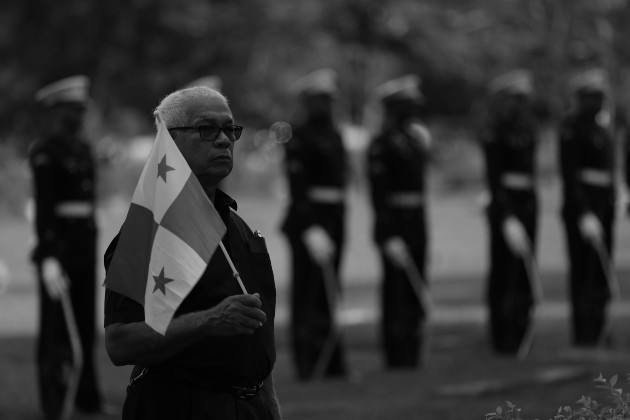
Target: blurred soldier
pixel 316 166
pixel 509 141
pixel 397 160
pixel 587 164
pixel 63 174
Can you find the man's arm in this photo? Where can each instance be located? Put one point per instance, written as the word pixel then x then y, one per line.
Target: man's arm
pixel 136 343
pixel 268 393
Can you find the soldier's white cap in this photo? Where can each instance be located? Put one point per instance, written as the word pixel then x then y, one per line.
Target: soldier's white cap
pixel 318 82
pixel 70 89
pixel 516 82
pixel 592 80
pixel 401 88
pixel 211 81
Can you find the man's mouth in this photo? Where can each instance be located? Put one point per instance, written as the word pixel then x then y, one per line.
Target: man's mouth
pixel 222 157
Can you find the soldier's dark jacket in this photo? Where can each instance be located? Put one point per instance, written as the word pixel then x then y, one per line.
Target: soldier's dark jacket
pixel 587 162
pixel 63 171
pixel 315 157
pixel 397 159
pixel 510 149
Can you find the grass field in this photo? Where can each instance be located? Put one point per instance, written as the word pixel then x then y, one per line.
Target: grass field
pixel 457 360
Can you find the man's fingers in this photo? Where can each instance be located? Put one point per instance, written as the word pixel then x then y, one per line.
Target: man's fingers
pixel 255 314
pixel 250 300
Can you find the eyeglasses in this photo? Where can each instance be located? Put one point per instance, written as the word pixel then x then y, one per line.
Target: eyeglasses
pixel 211 132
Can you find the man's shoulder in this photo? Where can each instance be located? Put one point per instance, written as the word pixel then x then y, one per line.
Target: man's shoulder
pixel 109 253
pixel 240 225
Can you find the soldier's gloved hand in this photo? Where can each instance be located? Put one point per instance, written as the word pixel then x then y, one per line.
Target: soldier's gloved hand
pixel 515 236
pixel 54 278
pixel 591 228
pixel 319 245
pixel 396 250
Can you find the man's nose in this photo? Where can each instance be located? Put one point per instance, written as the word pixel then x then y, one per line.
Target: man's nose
pixel 222 141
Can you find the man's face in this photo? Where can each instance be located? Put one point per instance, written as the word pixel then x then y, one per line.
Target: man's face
pixel 319 106
pixel 68 118
pixel 590 102
pixel 513 105
pixel 210 161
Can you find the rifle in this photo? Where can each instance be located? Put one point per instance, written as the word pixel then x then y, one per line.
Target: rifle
pixel 613 286
pixel 77 357
pixel 332 340
pixel 537 294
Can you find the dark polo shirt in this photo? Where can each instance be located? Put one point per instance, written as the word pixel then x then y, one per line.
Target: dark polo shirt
pixel 231 360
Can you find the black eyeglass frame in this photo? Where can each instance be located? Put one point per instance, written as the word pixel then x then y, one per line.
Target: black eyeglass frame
pixel 238 130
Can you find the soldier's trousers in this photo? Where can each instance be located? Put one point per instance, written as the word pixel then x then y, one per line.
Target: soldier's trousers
pixel 402 312
pixel 311 316
pixel 54 353
pixel 509 291
pixel 589 288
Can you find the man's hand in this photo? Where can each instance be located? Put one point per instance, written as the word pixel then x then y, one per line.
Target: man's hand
pixel 240 314
pixel 515 236
pixel 320 247
pixel 54 278
pixel 591 228
pixel 396 250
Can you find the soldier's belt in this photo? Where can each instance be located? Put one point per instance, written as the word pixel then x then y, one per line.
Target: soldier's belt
pixel 326 195
pixel 596 177
pixel 71 209
pixel 516 181
pixel 409 199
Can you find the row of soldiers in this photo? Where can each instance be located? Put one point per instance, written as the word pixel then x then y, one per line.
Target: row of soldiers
pixel 397 158
pixel 317 169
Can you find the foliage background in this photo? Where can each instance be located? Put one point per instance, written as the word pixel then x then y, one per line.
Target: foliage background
pixel 136 51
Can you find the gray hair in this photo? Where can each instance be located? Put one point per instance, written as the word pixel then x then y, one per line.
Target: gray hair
pixel 172 109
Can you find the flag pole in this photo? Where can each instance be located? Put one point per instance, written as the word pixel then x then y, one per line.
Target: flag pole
pixel 235 273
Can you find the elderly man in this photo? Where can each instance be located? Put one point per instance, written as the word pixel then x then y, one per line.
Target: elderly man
pixel 216 358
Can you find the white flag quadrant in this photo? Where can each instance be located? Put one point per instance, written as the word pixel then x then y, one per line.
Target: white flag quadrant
pixel 174 270
pixel 163 176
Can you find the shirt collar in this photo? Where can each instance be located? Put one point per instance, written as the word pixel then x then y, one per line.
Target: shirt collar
pixel 222 201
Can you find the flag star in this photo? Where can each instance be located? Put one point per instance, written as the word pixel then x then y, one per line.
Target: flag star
pixel 160 282
pixel 163 169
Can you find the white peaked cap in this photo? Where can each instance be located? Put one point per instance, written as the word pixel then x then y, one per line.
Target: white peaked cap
pixel 517 81
pixel 70 89
pixel 594 80
pixel 405 87
pixel 322 81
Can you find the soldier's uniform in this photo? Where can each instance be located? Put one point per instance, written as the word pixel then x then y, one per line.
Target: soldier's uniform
pixel 587 161
pixel 397 159
pixel 509 143
pixel 64 176
pixel 316 166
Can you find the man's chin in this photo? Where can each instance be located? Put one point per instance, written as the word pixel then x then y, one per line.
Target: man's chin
pixel 213 177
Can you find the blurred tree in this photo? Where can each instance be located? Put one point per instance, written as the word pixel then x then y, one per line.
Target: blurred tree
pixel 137 51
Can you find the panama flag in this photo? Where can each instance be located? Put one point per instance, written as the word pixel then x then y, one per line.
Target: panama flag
pixel 170 233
